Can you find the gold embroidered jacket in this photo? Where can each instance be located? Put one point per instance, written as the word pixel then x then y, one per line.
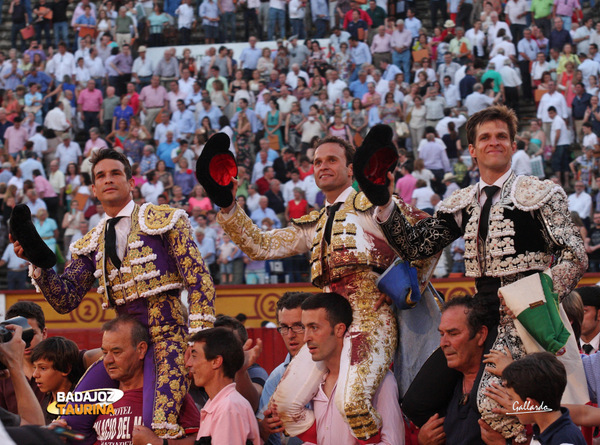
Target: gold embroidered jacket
pixel 161 258
pixel 530 229
pixel 356 240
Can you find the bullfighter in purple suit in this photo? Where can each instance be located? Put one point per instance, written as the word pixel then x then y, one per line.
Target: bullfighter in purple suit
pixel 142 257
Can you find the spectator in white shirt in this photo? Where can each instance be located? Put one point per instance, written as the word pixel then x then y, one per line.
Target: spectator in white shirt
pixel 185 21
pixel 581 202
pixel 555 99
pixel 152 189
pixel 561 142
pixel 521 164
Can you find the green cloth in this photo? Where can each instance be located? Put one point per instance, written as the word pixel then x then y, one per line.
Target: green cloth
pixel 541 8
pixel 493 74
pixel 543 322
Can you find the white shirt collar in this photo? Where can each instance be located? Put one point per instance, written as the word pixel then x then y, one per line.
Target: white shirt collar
pixel 499 182
pixel 127 211
pixel 341 197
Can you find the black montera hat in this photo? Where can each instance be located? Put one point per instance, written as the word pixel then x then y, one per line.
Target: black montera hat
pixel 23 231
pixel 215 168
pixel 374 158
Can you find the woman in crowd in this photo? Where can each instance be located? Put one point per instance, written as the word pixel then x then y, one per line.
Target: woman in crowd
pixel 357 122
pixel 292 136
pixel 297 207
pixel 416 123
pixel 341 62
pixel 189 62
pixel 136 174
pixel 265 64
pixel 184 178
pixel 117 137
pixel 156 23
pixel 70 224
pixel 47 228
pixel 243 137
pixel 72 181
pixel 198 198
pixel 339 129
pixel 164 176
pixel 273 125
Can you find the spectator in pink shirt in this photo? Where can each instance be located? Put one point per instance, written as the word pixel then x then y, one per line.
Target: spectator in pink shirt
pixel 406 185
pixel 214 357
pixel 89 104
pixel 45 191
pixel 15 137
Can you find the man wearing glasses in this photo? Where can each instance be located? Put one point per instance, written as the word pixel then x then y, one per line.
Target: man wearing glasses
pixel 289 319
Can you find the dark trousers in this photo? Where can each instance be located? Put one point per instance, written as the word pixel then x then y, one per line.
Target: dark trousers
pixel 526 77
pixel 44 25
pixel 251 22
pixel 90 119
pixel 512 98
pixel 14 32
pixel 435 6
pixel 463 18
pixel 52 205
pixel 184 36
pixel 517 32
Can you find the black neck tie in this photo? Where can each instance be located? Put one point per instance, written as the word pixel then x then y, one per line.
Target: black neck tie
pixel 110 241
pixel 587 348
pixel 330 217
pixel 490 191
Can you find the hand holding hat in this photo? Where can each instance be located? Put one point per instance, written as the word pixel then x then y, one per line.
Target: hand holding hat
pixel 23 231
pixel 373 160
pixel 216 169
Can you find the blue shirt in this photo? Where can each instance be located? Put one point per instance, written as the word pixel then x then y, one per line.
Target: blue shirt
pixel 319 8
pixel 213 115
pixel 251 115
pixel 358 89
pixel 83 20
pixel 164 153
pixel 249 58
pixel 259 214
pixel 121 113
pixel 562 430
pixel 211 10
pixel 185 122
pixel 361 54
pixel 41 78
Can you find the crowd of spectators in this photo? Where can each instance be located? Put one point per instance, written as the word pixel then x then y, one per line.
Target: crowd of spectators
pixel 84 89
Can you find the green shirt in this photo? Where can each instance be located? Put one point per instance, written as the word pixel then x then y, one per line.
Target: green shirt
pixel 378 16
pixel 491 74
pixel 122 24
pixel 541 8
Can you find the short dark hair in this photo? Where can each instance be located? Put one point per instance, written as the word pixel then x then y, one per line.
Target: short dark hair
pixel 101 155
pixel 62 353
pixel 349 150
pixel 139 333
pixel 540 376
pixel 552 108
pixel 478 314
pixel 27 309
pixel 221 342
pixel 291 300
pixel 234 324
pixel 495 113
pixel 338 309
